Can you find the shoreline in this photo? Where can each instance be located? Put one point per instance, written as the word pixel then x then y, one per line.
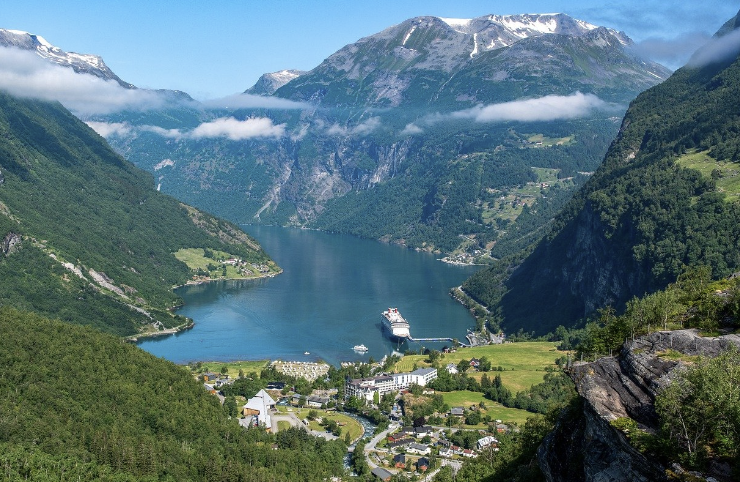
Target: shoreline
pixel 190 323
pixel 166 332
pixel 192 282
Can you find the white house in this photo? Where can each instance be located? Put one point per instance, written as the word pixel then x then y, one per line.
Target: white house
pixel 259 406
pixel 486 441
pixel 418 449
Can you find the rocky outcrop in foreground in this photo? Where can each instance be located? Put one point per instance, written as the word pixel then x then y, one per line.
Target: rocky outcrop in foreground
pixel 584 446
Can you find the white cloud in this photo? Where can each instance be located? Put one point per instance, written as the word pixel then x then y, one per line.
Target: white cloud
pixel 236 130
pixel 548 108
pixel 110 129
pixel 366 127
pixel 25 74
pixel 227 127
pixel 411 130
pixel 717 50
pixel 673 52
pixel 249 101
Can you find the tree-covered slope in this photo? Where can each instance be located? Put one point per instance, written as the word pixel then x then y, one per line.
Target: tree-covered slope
pixel 664 198
pixel 76 404
pixel 86 236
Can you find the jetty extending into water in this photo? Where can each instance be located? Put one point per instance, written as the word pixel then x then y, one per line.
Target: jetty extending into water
pixel 451 340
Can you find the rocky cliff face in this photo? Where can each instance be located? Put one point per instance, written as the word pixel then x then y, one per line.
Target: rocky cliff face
pixel 10 244
pixel 585 447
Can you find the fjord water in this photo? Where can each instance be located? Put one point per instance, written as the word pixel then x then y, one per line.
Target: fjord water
pixel 328 299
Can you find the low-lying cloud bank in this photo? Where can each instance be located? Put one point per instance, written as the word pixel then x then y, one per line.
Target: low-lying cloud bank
pixel 237 130
pixel 548 108
pixel 25 74
pixel 540 109
pixel 719 49
pixel 226 127
pixel 249 101
pixel 362 129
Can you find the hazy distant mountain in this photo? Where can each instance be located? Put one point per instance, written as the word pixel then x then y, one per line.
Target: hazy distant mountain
pixel 268 83
pixel 433 60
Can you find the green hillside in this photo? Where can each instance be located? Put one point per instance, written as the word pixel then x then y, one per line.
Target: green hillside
pixel 664 198
pixel 76 404
pixel 93 241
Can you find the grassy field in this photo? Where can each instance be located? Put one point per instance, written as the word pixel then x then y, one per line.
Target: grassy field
pixel 233 367
pixel 350 424
pixel 523 363
pixel 511 201
pixel 549 141
pixel 729 174
pixel 195 259
pixel 497 411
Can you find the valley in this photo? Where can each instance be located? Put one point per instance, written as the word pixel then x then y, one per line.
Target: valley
pixel 583 198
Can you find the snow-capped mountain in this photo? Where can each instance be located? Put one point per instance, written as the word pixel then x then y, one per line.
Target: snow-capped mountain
pixel 81 63
pixel 416 59
pixel 268 83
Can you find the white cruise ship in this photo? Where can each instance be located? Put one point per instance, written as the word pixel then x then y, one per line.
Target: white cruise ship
pixel 397 327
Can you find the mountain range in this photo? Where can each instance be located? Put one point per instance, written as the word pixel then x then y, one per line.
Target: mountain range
pixel 383 138
pixel 460 62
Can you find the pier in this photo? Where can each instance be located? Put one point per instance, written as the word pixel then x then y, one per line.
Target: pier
pixel 436 339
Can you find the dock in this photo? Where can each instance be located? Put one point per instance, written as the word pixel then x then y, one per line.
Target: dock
pixel 435 339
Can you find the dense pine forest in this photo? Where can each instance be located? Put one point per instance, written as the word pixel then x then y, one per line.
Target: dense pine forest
pixel 79 404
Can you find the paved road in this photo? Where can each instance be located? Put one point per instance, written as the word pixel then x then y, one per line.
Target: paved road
pixel 370 446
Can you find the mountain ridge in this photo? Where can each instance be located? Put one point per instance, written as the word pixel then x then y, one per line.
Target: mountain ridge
pixel 383 65
pixel 345 137
pixel 80 63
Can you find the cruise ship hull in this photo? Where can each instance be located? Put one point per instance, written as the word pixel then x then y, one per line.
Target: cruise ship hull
pixel 395 326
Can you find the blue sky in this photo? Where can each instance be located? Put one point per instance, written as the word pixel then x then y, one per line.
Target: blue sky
pixel 213 49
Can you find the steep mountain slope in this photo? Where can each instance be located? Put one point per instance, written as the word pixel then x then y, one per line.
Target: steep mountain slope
pixel 337 162
pixel 77 404
pixel 85 237
pixel 664 198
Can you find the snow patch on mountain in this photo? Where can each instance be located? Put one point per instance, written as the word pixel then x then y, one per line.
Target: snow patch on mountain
pixel 268 83
pixel 459 24
pixel 406 38
pixel 80 63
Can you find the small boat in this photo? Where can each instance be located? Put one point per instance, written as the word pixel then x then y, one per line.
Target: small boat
pixel 306 353
pixel 361 348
